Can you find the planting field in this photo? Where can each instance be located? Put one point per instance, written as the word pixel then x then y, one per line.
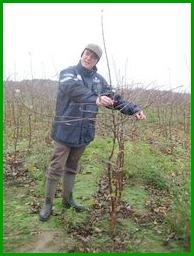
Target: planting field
pixel 134 177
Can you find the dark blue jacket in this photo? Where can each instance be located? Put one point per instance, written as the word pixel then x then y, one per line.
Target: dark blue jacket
pixel 76 109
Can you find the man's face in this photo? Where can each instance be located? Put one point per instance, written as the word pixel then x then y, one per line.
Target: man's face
pixel 89 59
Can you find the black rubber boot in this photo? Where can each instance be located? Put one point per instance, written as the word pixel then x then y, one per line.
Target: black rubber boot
pixel 68 203
pixel 46 211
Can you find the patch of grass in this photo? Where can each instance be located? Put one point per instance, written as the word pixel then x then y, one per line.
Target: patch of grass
pixel 146 240
pixel 136 196
pixel 141 163
pixel 37 162
pixel 179 218
pixel 163 172
pixel 19 224
pixel 142 166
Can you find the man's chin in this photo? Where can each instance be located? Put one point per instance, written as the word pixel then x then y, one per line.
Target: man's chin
pixel 86 66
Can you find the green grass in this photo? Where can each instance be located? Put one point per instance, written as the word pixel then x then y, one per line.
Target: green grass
pixel 135 196
pixel 143 166
pixel 19 225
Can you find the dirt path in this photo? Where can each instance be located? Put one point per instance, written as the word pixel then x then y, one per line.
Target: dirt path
pixel 47 241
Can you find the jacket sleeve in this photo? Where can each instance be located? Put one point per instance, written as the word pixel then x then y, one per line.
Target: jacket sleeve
pixel 72 85
pixel 126 108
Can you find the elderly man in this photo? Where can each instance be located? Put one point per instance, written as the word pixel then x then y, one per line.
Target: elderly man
pixel 81 91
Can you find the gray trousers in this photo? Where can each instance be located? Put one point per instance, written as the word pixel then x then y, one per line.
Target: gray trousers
pixel 64 160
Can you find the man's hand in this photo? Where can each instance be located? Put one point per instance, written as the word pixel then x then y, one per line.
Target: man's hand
pixel 139 115
pixel 104 101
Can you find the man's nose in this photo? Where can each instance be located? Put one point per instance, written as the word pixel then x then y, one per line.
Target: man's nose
pixel 88 57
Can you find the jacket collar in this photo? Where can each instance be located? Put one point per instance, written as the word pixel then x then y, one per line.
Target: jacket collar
pixel 84 71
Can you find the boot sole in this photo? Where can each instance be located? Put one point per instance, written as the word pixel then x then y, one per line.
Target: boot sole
pixel 79 210
pixel 43 219
pixel 74 208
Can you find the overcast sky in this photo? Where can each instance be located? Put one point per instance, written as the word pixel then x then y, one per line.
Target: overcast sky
pixel 146 43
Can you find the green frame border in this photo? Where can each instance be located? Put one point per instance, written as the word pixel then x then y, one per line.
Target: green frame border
pixel 1 114
pixel 100 1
